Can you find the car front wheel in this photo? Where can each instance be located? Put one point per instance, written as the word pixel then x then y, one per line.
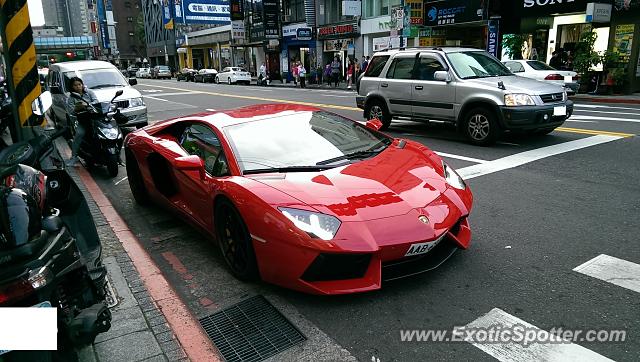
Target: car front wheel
pixel 376 109
pixel 480 127
pixel 235 241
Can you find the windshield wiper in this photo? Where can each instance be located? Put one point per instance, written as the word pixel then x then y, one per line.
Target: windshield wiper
pixel 310 168
pixel 372 151
pixel 106 85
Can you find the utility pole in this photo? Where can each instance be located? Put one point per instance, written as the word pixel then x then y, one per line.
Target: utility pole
pixel 21 69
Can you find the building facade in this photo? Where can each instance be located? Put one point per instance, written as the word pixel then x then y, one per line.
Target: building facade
pixel 131 49
pixel 161 42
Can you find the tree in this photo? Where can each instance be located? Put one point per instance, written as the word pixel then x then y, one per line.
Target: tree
pixel 141 36
pixel 513 44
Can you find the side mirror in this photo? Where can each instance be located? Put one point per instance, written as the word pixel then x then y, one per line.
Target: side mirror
pixel 133 81
pixel 119 93
pixel 42 104
pixel 55 89
pixel 190 163
pixel 374 124
pixel 442 75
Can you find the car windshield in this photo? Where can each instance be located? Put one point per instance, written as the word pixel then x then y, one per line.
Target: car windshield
pixel 98 78
pixel 474 64
pixel 538 65
pixel 238 69
pixel 299 139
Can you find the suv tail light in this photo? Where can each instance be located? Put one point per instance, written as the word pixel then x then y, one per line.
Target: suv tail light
pixel 554 77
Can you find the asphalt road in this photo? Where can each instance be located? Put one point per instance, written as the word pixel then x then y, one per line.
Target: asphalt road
pixel 543 206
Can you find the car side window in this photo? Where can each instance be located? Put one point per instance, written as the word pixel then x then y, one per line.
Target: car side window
pixel 427 67
pixel 201 141
pixel 401 68
pixel 515 67
pixel 376 65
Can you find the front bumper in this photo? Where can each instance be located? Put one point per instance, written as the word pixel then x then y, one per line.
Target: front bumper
pixel 360 101
pixel 137 116
pixel 533 117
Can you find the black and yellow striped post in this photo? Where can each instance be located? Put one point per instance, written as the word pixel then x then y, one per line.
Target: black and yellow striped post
pixel 20 60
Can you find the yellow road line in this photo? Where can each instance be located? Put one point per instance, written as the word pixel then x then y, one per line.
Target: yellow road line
pixel 333 106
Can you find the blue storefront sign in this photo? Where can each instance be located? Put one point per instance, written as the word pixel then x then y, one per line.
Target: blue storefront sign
pixel 102 20
pixel 493 36
pixel 453 12
pixel 304 34
pixel 205 12
pixel 177 11
pixel 167 18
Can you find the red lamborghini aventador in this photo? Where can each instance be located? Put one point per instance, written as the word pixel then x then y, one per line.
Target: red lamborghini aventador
pixel 304 198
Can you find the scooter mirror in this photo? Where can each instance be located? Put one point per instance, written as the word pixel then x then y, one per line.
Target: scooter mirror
pixel 42 104
pixel 119 93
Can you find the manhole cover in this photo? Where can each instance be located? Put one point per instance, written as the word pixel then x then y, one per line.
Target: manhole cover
pixel 252 330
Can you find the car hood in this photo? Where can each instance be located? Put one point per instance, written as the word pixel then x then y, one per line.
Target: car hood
pixel 106 94
pixel 394 182
pixel 515 84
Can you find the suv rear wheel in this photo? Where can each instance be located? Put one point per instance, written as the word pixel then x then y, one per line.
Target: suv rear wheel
pixel 480 126
pixel 378 110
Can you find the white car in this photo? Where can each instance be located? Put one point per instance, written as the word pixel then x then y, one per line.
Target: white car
pixel 143 73
pixel 538 70
pixel 234 75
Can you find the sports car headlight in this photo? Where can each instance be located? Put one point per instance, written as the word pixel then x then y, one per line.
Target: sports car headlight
pixel 453 178
pixel 518 100
pixel 136 102
pixel 318 225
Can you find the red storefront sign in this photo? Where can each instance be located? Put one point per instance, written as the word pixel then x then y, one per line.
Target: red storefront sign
pixel 337 31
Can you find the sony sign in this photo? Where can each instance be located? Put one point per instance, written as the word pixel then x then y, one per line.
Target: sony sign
pixel 532 3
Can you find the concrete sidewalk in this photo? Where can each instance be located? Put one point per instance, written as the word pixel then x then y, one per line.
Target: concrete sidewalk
pixel 139 330
pixel 594 98
pixel 276 83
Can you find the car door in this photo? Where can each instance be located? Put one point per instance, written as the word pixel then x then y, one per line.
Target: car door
pixel 431 98
pixel 225 74
pixel 396 86
pixel 197 194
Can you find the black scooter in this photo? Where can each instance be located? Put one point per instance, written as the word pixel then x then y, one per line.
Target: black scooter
pixel 59 263
pixel 103 139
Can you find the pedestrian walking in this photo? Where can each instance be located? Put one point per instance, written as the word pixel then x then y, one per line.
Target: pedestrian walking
pixel 336 72
pixel 356 65
pixel 327 73
pixel 302 73
pixel 365 63
pixel 350 70
pixel 294 72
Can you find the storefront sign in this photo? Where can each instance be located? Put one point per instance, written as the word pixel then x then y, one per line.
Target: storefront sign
pixel 336 45
pixel 351 8
pixel 236 9
pixel 167 18
pixel 453 12
pixel 598 13
pixel 177 11
pixel 271 19
pixel 492 37
pixel 205 11
pixel 257 27
pixel 397 17
pixel 291 30
pixel 625 5
pixel 331 31
pixel 304 33
pixel 548 7
pixel 623 40
pixel 417 15
pixel 380 43
pixel 237 30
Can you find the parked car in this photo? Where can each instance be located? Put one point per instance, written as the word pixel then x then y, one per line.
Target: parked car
pixel 131 71
pixel 161 71
pixel 304 198
pixel 467 88
pixel 186 74
pixel 205 75
pixel 143 73
pixel 538 70
pixel 235 75
pixel 105 80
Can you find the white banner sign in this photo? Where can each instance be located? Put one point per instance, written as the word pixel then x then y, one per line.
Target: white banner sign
pixel 237 29
pixel 351 8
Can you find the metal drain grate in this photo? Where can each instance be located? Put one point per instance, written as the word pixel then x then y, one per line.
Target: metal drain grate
pixel 252 330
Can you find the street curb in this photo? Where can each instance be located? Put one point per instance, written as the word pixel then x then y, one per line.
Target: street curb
pixel 605 100
pixel 186 328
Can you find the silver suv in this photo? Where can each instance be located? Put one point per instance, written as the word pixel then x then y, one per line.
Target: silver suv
pixel 468 88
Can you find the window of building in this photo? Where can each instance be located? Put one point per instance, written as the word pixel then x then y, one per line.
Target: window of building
pixel 294 11
pixel 373 8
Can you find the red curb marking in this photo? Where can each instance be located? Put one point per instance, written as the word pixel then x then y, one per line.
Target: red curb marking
pixel 196 344
pixel 176 264
pixel 604 100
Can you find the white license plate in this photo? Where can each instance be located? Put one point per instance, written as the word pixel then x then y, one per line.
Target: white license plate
pixel 423 248
pixel 560 111
pixel 568 79
pixel 45 304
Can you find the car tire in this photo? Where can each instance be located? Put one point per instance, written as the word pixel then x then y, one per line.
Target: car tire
pixel 136 183
pixel 377 109
pixel 235 241
pixel 216 80
pixel 481 127
pixel 229 80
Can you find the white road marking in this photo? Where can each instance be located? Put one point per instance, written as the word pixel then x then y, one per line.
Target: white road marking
pixel 151 90
pixel 166 100
pixel 597 106
pixel 613 270
pixel 607 112
pixel 337 96
pixel 522 158
pixel 121 180
pixel 606 119
pixel 211 110
pixel 558 350
pixel 579 121
pixel 463 158
pixel 176 94
pixel 508 143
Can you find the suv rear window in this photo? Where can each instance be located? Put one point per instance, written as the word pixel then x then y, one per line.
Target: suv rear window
pixel 376 65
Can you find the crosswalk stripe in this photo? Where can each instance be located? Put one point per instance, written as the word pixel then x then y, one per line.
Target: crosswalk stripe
pixel 612 270
pixel 617 119
pixel 513 351
pixel 608 112
pixel 603 106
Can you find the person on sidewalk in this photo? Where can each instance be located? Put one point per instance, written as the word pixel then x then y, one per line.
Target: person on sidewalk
pixel 356 66
pixel 365 63
pixel 327 73
pixel 335 72
pixel 302 73
pixel 350 70
pixel 75 106
pixel 294 72
pixel 262 78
